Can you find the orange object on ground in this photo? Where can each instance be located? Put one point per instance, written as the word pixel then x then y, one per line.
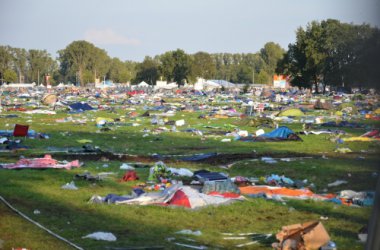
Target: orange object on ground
pixel 276 191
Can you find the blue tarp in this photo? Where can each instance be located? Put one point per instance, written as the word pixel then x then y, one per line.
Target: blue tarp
pixel 281 132
pixel 198 157
pixel 79 106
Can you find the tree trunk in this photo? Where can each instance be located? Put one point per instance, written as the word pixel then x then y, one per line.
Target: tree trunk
pixel 81 76
pixel 316 87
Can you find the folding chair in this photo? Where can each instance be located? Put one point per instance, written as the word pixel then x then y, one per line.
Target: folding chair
pixel 20 130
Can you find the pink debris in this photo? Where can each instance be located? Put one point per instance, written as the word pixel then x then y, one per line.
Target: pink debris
pixel 46 162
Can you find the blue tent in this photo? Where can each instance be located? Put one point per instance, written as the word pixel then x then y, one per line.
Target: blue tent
pixel 281 132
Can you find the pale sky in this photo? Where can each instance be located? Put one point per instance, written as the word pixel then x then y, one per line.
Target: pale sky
pixel 131 30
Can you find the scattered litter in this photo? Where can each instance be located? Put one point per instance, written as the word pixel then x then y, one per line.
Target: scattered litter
pixel 190 232
pixel 269 160
pixel 226 140
pixel 363 237
pixel 235 238
pixel 70 186
pixel 84 141
pixel 343 150
pixel 190 246
pixel 337 183
pixel 246 244
pixel 36 211
pixel 126 166
pixel 101 236
pixel 260 132
pixel 329 246
pixel 180 123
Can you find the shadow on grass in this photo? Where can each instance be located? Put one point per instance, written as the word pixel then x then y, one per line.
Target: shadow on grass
pixel 327 210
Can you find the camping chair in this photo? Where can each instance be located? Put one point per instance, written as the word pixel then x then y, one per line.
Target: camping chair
pixel 20 130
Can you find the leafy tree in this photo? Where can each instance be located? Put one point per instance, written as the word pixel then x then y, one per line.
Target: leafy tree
pixel 99 63
pixel 243 74
pixel 263 77
pixel 271 54
pixel 203 66
pixel 10 75
pixel 20 62
pixel 80 56
pixel 147 71
pixel 333 53
pixel 182 66
pixel 118 71
pixel 40 62
pixel 5 60
pixel 167 65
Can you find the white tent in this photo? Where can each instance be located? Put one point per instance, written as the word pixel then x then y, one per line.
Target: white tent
pixel 20 85
pixel 212 85
pixel 143 84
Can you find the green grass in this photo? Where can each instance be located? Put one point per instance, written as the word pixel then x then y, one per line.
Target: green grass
pixel 68 213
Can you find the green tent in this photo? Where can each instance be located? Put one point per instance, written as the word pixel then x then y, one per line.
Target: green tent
pixel 292 112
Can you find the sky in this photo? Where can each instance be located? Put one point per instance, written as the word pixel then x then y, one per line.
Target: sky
pixel 131 30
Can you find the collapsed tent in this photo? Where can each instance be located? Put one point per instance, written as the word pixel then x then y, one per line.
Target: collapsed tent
pixel 282 192
pixel 184 196
pixel 191 198
pixel 40 163
pixel 281 133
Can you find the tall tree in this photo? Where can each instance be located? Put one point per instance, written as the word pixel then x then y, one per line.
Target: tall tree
pixel 20 62
pixel 40 64
pixel 332 53
pixel 167 64
pixel 182 66
pixel 271 53
pixel 5 60
pixel 147 71
pixel 76 58
pixel 203 66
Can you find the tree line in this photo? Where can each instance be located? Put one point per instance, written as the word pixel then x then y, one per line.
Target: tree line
pixel 327 52
pixel 333 53
pixel 82 62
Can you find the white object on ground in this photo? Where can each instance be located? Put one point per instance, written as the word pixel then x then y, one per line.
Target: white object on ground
pixel 70 186
pixel 337 183
pixel 180 123
pixel 126 166
pixel 190 246
pixel 101 236
pixel 190 232
pixel 246 244
pixel 260 132
pixel 181 171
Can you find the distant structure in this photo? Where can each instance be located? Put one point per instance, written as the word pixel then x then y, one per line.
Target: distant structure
pixel 281 81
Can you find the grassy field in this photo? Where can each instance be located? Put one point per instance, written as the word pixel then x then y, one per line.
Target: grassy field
pixel 68 213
